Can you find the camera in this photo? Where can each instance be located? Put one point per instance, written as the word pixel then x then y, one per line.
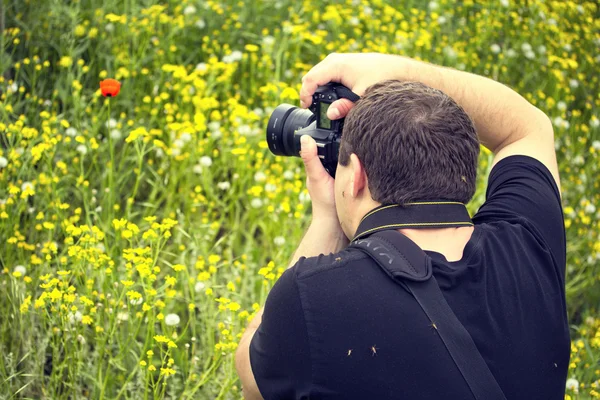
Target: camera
pixel 288 123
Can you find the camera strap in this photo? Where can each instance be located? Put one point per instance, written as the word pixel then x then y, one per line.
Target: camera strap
pixel 404 262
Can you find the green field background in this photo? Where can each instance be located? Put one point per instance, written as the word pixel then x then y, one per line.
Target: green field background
pixel 140 234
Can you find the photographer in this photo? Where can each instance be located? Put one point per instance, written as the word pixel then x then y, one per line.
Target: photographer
pixel 341 326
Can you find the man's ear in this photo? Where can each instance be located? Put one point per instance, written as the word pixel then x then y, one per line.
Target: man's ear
pixel 358 179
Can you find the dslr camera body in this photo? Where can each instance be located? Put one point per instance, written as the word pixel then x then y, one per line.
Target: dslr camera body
pixel 288 123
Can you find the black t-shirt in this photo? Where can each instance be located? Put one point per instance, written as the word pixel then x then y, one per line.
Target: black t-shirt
pixel 337 327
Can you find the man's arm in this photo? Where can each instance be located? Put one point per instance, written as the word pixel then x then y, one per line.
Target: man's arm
pixel 323 236
pixel 506 123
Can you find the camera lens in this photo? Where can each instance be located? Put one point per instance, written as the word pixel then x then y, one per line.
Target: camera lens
pixel 284 122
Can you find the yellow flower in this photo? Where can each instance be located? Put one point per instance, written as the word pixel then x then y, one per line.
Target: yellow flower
pixel 143 363
pixel 178 267
pixel 65 61
pixel 159 339
pixel 152 368
pixel 86 319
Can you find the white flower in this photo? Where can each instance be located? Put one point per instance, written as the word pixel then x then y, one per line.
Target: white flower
pixel 530 54
pixel 201 67
pixel 224 185
pixel 178 143
pixel 256 203
pixel 244 130
pixel 3 162
pixel 81 339
pixel 561 105
pixel 199 287
pixel 214 126
pixel 573 384
pixel 526 47
pixel 47 103
pixel 594 122
pixel 115 134
pixel 109 27
pixel 596 144
pixel 21 269
pixel 200 24
pixel 206 161
pixel 574 83
pixel 75 317
pixel 541 49
pixel 27 185
pixel 568 47
pixel 552 21
pixel 189 10
pixel 82 149
pixel 495 48
pixel 216 134
pixel 13 88
pixel 268 41
pixel 505 3
pixel 197 169
pixel 111 123
pixel 235 55
pixel 304 197
pixel 510 53
pixel 433 5
pixel 260 176
pixel 368 10
pixel 136 302
pixel 561 123
pixel 185 137
pixel 122 316
pixel 449 52
pixel 288 175
pixel 71 131
pixel 590 209
pixel 270 187
pixel 442 19
pixel 279 241
pixel 172 319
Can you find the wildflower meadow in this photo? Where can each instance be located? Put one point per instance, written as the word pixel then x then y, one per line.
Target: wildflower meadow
pixel 141 231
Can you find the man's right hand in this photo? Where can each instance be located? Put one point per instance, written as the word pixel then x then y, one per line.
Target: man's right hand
pixel 356 71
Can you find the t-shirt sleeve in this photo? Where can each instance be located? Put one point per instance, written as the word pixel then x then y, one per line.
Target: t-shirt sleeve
pixel 522 190
pixel 279 350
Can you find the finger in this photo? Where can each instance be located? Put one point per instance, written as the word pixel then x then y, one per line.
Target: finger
pixel 312 163
pixel 324 72
pixel 339 109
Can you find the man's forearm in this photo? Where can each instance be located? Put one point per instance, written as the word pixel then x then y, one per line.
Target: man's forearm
pixel 500 114
pixel 322 237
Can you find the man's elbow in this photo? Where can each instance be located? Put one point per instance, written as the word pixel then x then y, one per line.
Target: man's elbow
pixel 543 124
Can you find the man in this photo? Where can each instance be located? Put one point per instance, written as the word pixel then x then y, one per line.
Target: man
pixel 338 327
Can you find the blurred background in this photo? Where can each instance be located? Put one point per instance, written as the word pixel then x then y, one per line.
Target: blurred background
pixel 140 233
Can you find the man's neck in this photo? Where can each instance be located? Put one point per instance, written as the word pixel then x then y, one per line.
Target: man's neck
pixel 450 242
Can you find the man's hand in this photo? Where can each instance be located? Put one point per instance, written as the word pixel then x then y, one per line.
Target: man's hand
pixel 355 71
pixel 319 183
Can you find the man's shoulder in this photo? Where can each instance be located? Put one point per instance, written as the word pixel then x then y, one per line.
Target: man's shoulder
pixel 312 266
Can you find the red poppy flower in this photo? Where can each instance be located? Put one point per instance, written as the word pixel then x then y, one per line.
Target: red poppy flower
pixel 110 87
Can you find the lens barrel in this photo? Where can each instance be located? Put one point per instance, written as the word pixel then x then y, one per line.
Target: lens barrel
pixel 285 120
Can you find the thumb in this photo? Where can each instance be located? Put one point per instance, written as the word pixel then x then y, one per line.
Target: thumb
pixel 339 109
pixel 312 162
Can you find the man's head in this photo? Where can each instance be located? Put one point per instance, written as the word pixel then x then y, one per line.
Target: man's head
pixel 404 142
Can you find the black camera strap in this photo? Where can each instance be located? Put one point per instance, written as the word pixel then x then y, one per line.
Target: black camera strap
pixel 403 261
pixel 417 215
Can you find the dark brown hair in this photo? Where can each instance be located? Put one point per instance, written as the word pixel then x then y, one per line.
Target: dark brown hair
pixel 415 143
